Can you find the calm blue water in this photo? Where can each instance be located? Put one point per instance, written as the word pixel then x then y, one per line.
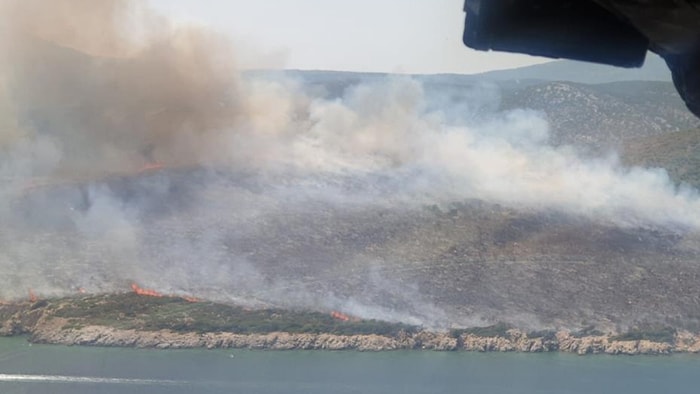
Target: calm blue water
pixel 77 370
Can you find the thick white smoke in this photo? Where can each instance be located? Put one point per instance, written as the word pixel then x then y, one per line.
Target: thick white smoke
pixel 383 128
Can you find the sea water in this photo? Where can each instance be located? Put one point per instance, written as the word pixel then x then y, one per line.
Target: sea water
pixel 26 368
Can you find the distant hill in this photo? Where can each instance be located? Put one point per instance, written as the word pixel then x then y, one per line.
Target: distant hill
pixel 654 69
pixel 593 117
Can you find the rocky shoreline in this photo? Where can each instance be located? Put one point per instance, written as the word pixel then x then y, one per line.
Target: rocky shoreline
pixel 130 320
pixel 514 341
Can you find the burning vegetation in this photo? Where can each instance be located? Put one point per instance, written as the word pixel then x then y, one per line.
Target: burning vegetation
pixel 144 292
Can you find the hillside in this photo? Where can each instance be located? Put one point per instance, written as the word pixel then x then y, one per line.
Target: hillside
pixel 606 116
pixel 446 202
pixel 677 153
pixel 482 263
pixel 373 207
pixel 464 264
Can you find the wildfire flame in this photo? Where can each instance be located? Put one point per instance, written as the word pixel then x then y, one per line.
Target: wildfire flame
pixel 145 292
pixel 152 293
pixel 340 316
pixel 190 299
pixel 149 167
pixel 32 296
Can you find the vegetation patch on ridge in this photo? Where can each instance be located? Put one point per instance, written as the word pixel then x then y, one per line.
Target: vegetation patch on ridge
pixel 131 311
pixel 653 334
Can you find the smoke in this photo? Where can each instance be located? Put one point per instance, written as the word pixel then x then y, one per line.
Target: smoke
pixel 270 195
pixel 115 86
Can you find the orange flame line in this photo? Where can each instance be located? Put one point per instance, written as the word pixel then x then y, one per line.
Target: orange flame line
pixel 340 316
pixel 151 167
pixel 145 292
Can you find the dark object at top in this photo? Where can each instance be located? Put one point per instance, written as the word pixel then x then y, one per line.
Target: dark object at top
pixel 615 32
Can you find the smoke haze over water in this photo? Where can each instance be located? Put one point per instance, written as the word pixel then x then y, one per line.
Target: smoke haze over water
pixel 94 91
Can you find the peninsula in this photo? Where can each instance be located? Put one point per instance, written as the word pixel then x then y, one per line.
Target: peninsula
pixel 137 320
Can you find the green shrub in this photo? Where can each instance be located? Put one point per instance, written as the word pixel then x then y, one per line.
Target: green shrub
pixel 546 335
pixel 654 334
pixel 587 331
pixel 496 330
pixel 131 311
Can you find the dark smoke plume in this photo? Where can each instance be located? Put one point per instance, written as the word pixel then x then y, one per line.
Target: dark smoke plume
pixel 114 86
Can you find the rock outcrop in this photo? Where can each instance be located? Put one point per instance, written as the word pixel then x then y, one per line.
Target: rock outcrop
pixel 605 344
pixel 515 341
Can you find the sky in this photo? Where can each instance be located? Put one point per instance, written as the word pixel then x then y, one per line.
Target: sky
pixel 398 36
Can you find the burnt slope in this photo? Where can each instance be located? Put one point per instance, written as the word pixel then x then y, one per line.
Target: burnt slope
pixel 466 264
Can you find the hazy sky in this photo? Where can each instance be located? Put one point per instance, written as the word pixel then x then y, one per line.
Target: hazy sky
pixel 408 36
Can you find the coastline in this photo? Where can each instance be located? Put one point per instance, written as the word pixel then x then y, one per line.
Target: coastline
pixel 515 341
pixel 131 320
